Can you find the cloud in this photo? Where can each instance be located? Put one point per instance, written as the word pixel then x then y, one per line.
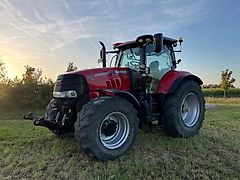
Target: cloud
pixel 61 22
pixel 64 26
pixel 80 23
pixel 47 29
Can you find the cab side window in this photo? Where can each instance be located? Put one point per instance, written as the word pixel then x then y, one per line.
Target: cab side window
pixel 159 63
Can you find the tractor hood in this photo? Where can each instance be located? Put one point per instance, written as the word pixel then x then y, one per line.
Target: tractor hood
pixel 106 78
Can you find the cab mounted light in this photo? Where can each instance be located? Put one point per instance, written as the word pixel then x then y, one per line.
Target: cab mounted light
pixel 144 39
pixel 180 40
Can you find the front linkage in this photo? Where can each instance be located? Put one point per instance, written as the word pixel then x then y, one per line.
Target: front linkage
pixel 41 121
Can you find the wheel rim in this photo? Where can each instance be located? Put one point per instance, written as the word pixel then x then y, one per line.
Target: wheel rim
pixel 190 109
pixel 114 130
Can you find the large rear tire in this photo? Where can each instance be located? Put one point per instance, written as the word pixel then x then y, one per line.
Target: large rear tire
pixel 184 110
pixel 106 128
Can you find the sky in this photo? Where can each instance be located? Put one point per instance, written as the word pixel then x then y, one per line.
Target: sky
pixel 49 34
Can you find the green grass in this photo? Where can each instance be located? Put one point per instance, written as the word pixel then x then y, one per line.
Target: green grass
pixel 35 153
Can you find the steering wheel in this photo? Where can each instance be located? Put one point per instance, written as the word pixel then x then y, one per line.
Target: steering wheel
pixel 134 63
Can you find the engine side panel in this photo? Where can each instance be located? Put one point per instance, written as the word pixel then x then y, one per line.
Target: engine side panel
pixel 107 78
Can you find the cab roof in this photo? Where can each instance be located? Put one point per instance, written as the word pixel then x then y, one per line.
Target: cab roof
pixel 128 44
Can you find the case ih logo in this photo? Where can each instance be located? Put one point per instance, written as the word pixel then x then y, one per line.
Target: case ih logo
pixel 120 72
pixel 111 72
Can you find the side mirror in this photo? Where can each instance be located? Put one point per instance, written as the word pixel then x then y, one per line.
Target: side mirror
pixel 157 42
pixel 178 61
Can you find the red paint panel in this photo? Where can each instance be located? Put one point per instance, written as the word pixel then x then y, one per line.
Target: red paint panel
pixel 104 78
pixel 168 79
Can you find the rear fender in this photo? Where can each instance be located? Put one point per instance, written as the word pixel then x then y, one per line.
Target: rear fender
pixel 180 80
pixel 170 82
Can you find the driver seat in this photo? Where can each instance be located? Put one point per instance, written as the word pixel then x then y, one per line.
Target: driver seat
pixel 154 71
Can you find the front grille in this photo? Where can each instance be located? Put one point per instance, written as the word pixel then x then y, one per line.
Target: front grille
pixel 68 82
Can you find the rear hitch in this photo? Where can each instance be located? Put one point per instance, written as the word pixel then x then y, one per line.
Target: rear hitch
pixel 40 121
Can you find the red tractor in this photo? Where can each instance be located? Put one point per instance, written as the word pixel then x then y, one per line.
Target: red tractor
pixel 105 107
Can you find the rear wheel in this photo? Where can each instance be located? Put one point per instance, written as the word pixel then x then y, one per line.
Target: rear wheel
pixel 183 112
pixel 106 128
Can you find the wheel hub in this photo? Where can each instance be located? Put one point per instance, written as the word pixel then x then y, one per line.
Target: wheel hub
pixel 190 109
pixel 114 130
pixel 109 127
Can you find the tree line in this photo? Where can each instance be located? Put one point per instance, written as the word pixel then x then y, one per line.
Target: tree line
pixel 226 83
pixel 32 90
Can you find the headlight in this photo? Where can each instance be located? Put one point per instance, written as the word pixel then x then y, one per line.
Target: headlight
pixel 65 94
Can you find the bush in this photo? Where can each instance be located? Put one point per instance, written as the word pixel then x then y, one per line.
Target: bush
pixel 219 93
pixel 21 96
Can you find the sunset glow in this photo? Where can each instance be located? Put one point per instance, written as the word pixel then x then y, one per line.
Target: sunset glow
pixel 11 71
pixel 50 34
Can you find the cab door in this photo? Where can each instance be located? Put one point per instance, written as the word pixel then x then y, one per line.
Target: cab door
pixel 159 64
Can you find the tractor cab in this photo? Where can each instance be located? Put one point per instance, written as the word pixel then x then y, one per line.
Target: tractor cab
pixel 157 63
pixel 142 53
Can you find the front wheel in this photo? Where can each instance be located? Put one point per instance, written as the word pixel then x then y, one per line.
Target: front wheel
pixel 184 110
pixel 106 128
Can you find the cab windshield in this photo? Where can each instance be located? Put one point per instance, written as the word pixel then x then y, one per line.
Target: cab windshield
pixel 130 58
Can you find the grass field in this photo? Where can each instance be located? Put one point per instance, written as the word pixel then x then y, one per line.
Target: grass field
pixel 35 153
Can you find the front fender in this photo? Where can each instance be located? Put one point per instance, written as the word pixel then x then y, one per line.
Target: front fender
pixel 123 94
